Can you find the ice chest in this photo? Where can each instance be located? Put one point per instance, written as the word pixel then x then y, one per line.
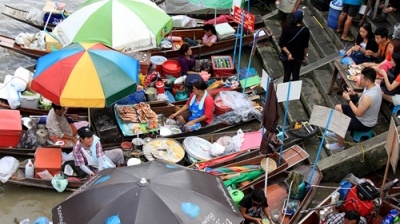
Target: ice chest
pixel 365 191
pixel 222 66
pixel 10 128
pixel 49 159
pixel 29 100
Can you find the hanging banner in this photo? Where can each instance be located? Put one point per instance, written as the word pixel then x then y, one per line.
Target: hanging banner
pixel 248 18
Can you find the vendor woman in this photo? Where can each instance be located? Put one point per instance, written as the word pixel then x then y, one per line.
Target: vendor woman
pixel 187 62
pixel 200 106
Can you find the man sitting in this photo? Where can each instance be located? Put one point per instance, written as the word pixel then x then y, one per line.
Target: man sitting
pixel 58 127
pixel 252 205
pixel 364 114
pixel 350 217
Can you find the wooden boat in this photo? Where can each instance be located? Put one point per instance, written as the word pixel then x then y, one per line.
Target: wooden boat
pixel 277 189
pixel 20 15
pixel 388 203
pixel 200 50
pixel 287 161
pixel 19 179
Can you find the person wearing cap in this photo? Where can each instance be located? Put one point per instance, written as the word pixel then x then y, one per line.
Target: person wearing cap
pixel 89 156
pixel 285 10
pixel 294 44
pixel 59 128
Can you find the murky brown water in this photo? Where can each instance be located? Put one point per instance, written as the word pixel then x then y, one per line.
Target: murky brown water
pixel 18 201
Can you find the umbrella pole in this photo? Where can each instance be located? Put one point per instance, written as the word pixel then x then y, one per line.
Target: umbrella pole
pixel 284 122
pixel 320 147
pixel 89 120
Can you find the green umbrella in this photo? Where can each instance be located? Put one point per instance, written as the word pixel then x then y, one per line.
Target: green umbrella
pixel 217 4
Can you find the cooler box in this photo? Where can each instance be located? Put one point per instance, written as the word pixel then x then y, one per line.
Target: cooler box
pixel 48 159
pixel 224 31
pixel 222 66
pixel 10 128
pixel 29 100
pixel 52 43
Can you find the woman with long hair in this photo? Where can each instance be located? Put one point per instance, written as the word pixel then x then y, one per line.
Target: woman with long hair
pixel 294 46
pixel 208 39
pixel 365 45
pixel 391 81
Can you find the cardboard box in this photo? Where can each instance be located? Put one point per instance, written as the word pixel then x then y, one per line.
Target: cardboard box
pixel 52 43
pixel 49 159
pixel 10 128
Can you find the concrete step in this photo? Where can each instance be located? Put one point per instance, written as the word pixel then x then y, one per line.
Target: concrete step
pixel 322 80
pixel 269 59
pixel 310 94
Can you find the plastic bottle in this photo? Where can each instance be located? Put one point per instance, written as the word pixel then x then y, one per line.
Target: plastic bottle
pixel 29 169
pixel 389 218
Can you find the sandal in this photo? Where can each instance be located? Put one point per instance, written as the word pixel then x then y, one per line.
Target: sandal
pixel 348 39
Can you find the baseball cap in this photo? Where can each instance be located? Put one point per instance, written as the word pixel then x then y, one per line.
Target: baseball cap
pixel 298 16
pixel 85 132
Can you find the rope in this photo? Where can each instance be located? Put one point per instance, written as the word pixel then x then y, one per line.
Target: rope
pixel 359 146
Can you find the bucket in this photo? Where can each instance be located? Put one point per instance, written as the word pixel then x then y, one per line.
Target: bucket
pixel 220 107
pixel 171 67
pixel 160 87
pixel 137 143
pixel 151 94
pixel 21 78
pixel 333 15
pixel 157 61
pixel 236 196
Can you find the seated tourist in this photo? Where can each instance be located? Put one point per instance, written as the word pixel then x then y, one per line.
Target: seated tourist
pixel 89 156
pixel 391 81
pixel 209 38
pixel 365 45
pixel 199 108
pixel 363 114
pixel 384 45
pixel 349 217
pixel 59 128
pixel 252 205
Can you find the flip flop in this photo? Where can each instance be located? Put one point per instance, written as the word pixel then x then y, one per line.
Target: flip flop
pixel 348 39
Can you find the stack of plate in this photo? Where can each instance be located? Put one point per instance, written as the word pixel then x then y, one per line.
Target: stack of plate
pixel 165 149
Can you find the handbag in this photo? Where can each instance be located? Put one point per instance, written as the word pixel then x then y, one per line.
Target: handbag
pixel 282 56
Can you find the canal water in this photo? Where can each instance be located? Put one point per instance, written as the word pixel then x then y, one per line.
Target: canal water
pixel 17 201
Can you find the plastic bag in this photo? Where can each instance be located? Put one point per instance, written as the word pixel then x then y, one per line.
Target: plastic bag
pixel 59 182
pixel 162 97
pixel 235 100
pixel 8 166
pixel 217 149
pixel 41 42
pixel 238 139
pixel 28 140
pixel 35 16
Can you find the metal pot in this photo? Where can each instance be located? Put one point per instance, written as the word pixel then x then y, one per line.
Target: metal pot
pixel 151 94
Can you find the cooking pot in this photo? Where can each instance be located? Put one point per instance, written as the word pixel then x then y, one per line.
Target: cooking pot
pixel 151 94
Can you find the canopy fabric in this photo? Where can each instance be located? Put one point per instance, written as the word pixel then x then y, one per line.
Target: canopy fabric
pixel 125 25
pixel 85 75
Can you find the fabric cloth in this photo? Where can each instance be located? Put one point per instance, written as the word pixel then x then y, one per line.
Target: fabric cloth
pixel 186 64
pixel 255 211
pixel 370 116
pixel 355 124
pixel 57 125
pixel 209 39
pixel 384 48
pixel 287 6
pixel 338 218
pixel 208 107
pixel 352 2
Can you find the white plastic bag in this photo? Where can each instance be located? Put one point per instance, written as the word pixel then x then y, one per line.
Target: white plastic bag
pixel 238 139
pixel 8 166
pixel 41 41
pixel 217 149
pixel 162 97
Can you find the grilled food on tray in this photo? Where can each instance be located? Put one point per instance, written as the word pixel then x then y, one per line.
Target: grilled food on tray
pixel 127 114
pixel 143 105
pixel 143 119
pixel 152 124
pixel 137 106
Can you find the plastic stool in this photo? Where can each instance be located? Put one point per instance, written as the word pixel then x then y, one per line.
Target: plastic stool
pixel 395 109
pixel 357 135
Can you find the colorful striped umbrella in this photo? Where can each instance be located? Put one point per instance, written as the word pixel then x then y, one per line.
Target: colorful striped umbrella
pixel 85 75
pixel 125 25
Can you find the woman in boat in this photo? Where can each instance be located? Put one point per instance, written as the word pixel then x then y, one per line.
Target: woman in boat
pixel 390 84
pixel 187 63
pixel 89 156
pixel 252 205
pixel 294 45
pixel 209 38
pixel 200 106
pixel 365 45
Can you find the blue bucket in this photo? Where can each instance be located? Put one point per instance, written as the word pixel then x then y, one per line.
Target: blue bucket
pixel 333 15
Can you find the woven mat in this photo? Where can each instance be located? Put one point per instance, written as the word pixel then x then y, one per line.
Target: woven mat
pixel 271 164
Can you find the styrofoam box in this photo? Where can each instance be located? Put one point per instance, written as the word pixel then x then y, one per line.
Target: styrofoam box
pixel 28 101
pixel 224 30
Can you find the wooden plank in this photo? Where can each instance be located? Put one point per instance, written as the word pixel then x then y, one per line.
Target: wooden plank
pixel 271 14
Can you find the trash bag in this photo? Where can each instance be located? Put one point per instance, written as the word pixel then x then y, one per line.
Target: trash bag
pixel 59 182
pixel 28 140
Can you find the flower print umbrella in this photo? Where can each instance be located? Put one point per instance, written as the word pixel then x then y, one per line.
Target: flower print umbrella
pixel 124 25
pixel 153 192
pixel 85 75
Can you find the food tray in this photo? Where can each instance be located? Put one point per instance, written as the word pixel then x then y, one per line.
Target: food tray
pixel 133 128
pixel 164 148
pixel 198 148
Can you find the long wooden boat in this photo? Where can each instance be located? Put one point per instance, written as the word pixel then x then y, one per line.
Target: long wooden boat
pixel 277 191
pixel 387 204
pixel 20 15
pixel 19 179
pixel 198 51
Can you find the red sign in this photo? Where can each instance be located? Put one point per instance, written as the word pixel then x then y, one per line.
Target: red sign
pixel 248 18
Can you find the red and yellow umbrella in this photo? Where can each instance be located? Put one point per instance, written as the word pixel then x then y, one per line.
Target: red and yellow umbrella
pixel 85 75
